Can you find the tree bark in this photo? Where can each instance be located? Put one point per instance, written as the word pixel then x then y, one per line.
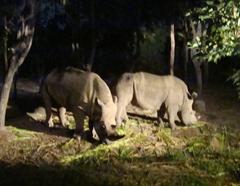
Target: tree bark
pixel 93 38
pixel 205 73
pixel 186 52
pixel 197 66
pixel 19 52
pixel 15 63
pixel 136 54
pixel 5 94
pixel 5 47
pixel 172 50
pixel 197 32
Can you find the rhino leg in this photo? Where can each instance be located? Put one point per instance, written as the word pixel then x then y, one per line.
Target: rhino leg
pixel 62 116
pixel 79 120
pixel 120 114
pixel 124 115
pixel 160 116
pixel 90 125
pixel 172 112
pixel 49 121
pixel 48 107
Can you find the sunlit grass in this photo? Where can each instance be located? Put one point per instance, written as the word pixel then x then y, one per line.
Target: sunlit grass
pixel 147 155
pixel 21 134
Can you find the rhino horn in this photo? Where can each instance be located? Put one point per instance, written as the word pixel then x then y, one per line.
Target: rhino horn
pixel 100 103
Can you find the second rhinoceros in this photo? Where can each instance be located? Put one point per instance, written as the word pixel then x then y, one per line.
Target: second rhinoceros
pixel 153 92
pixel 82 93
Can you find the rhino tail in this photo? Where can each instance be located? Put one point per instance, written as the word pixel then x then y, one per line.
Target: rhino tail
pixel 128 76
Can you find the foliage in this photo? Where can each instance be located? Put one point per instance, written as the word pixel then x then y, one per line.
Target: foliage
pixel 152 49
pixel 220 36
pixel 221 20
pixel 236 81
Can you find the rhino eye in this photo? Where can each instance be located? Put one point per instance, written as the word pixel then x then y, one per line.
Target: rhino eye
pixel 113 126
pixel 102 125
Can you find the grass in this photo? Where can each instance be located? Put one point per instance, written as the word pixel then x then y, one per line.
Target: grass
pixel 145 156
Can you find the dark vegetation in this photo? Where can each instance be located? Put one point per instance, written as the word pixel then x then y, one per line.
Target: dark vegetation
pixel 109 38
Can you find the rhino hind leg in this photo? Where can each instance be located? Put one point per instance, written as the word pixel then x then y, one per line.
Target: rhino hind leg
pixel 48 107
pixel 160 117
pixel 62 116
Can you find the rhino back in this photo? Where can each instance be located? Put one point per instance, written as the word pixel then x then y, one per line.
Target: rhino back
pixel 151 90
pixel 124 88
pixel 74 87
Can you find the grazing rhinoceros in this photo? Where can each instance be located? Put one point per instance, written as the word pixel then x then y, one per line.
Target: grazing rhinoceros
pixel 153 92
pixel 82 93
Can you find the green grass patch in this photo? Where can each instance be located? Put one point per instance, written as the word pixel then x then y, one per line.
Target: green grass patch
pixel 21 134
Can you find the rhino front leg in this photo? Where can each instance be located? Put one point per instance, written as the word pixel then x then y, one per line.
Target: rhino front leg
pixel 172 112
pixel 124 115
pixel 79 120
pixel 121 115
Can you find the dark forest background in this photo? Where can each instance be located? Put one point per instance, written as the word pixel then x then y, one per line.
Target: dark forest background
pixel 114 36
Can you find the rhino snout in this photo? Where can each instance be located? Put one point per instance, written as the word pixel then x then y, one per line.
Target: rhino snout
pixel 189 118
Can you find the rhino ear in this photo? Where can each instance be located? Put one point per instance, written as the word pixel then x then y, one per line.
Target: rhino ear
pixel 194 95
pixel 115 99
pixel 100 103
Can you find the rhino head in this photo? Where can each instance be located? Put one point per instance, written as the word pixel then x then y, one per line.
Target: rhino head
pixel 107 125
pixel 187 113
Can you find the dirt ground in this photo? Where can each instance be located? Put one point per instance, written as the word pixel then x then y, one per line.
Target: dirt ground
pixel 205 154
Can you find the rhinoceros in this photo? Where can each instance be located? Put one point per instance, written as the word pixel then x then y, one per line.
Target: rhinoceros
pixel 154 92
pixel 83 94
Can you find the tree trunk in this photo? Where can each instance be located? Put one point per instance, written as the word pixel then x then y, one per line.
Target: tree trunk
pixel 186 52
pixel 5 94
pixel 205 73
pixel 197 66
pixel 15 63
pixel 136 54
pixel 172 51
pixel 5 47
pixel 15 92
pixel 19 52
pixel 93 38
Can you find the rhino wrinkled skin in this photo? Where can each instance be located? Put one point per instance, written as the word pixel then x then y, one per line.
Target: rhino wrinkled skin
pixel 151 92
pixel 82 93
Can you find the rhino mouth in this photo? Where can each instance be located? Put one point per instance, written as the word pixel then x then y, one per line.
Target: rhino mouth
pixel 100 133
